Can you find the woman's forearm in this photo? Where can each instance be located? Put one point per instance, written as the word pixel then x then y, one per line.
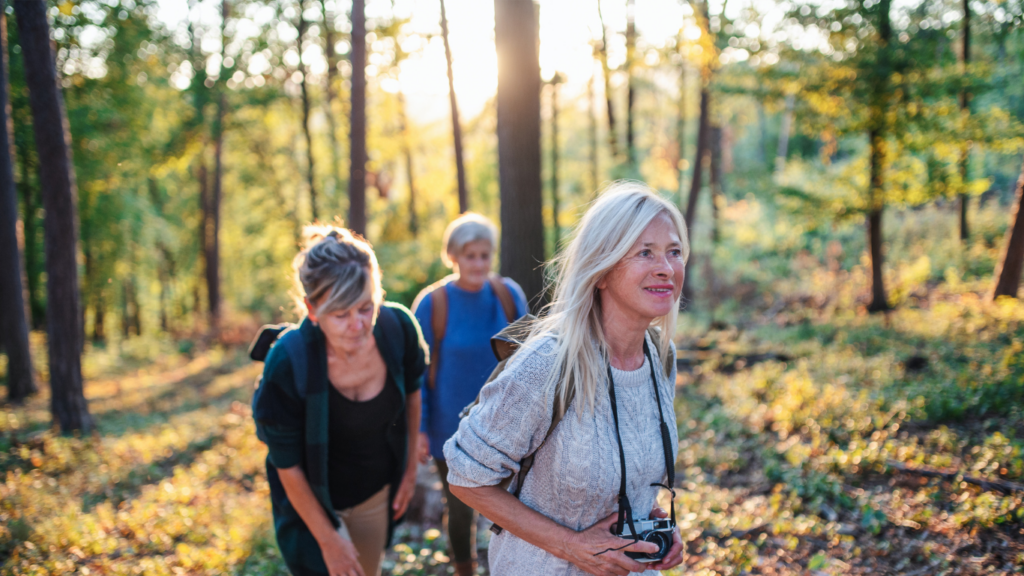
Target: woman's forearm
pixel 413 409
pixel 507 511
pixel 300 494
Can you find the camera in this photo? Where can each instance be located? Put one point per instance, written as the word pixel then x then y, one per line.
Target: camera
pixel 658 532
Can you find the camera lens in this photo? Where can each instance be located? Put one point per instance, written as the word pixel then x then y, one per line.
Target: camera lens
pixel 664 542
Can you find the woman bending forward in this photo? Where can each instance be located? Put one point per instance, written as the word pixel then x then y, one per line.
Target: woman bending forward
pixel 621 274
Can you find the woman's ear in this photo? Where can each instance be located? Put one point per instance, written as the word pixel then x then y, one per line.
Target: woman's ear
pixel 310 310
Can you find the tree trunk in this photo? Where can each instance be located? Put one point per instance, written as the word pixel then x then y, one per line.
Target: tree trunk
pixel 715 179
pixel 357 124
pixel 36 305
pixel 681 131
pixel 696 182
pixel 460 168
pixel 99 316
pixel 216 192
pixel 414 223
pixel 613 139
pixel 519 157
pixel 630 88
pixel 782 149
pixel 876 138
pixel 965 108
pixel 57 183
pixel 555 208
pixel 332 122
pixel 310 172
pixel 13 322
pixel 1009 269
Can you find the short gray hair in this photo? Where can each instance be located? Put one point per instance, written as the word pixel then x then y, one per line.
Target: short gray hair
pixel 470 227
pixel 335 269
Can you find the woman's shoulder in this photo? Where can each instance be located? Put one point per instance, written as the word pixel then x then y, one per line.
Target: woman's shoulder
pixel 535 358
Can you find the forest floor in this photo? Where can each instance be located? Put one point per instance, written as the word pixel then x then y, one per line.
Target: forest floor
pixel 802 436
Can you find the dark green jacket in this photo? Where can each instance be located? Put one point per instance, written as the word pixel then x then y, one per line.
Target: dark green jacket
pixel 296 430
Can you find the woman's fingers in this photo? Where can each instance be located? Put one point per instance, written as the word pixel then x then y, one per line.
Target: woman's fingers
pixel 674 557
pixel 658 512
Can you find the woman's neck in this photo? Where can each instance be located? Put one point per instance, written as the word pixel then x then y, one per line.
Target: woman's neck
pixel 467 285
pixel 624 334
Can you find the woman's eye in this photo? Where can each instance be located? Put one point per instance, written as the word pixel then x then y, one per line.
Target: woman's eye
pixel 645 253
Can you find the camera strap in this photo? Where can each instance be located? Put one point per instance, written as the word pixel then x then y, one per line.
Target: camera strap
pixel 625 509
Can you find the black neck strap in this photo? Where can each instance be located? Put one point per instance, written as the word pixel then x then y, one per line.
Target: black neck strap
pixel 625 510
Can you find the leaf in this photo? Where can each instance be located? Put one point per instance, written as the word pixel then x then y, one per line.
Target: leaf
pixel 818 562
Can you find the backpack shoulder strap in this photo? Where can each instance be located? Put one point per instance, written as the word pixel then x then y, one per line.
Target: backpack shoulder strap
pixel 508 305
pixel 438 325
pixel 295 346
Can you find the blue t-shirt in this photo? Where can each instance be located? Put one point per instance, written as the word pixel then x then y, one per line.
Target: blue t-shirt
pixel 466 359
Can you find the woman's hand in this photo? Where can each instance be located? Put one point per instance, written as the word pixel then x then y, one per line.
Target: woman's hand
pixel 405 491
pixel 341 557
pixel 587 550
pixel 423 450
pixel 675 553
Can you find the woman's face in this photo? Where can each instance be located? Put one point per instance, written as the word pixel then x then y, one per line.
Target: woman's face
pixel 473 265
pixel 347 330
pixel 647 282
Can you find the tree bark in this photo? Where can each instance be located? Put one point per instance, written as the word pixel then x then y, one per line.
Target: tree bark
pixel 613 137
pixel 36 305
pixel 782 150
pixel 519 155
pixel 13 321
pixel 357 124
pixel 460 168
pixel 57 183
pixel 715 179
pixel 216 193
pixel 1009 269
pixel 876 137
pixel 697 181
pixel 965 108
pixel 630 88
pixel 304 89
pixel 332 122
pixel 555 208
pixel 414 223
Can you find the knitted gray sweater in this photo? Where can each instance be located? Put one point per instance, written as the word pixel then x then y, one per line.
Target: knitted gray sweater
pixel 575 476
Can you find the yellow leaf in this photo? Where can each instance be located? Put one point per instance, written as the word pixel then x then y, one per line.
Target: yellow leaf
pixel 66 8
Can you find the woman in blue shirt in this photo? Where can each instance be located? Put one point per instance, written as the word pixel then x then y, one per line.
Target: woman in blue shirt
pixel 458 315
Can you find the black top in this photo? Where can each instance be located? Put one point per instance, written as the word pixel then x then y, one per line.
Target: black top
pixel 359 459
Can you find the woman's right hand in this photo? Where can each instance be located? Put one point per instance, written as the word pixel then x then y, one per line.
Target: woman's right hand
pixel 423 450
pixel 340 555
pixel 587 550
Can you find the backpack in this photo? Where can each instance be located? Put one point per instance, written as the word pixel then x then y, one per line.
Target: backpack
pixel 287 334
pixel 505 344
pixel 439 317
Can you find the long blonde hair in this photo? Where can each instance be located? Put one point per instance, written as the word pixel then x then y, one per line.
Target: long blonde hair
pixel 609 228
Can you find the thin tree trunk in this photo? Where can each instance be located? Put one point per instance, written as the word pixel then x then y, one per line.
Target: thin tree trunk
pixel 310 172
pixel 787 125
pixel 57 182
pixel 630 88
pixel 555 208
pixel 357 124
pixel 715 179
pixel 202 175
pixel 216 192
pixel 681 131
pixel 613 137
pixel 460 168
pixel 13 321
pixel 414 223
pixel 332 74
pixel 36 306
pixel 697 181
pixel 1009 269
pixel 99 314
pixel 519 155
pixel 965 108
pixel 876 139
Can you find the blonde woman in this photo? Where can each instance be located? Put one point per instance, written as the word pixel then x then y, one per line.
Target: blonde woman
pixel 459 315
pixel 339 407
pixel 621 274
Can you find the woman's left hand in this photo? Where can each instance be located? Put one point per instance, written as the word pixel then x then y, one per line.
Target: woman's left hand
pixel 405 492
pixel 675 553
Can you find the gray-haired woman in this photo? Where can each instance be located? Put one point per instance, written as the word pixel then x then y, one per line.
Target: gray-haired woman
pixel 339 407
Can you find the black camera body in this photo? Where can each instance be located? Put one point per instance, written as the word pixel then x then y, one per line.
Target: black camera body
pixel 656 531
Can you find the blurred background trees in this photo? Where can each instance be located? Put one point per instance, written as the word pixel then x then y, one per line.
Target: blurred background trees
pixel 204 134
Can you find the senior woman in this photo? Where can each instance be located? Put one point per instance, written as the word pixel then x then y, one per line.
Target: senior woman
pixel 621 274
pixel 338 407
pixel 459 315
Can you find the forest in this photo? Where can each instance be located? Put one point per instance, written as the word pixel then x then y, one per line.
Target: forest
pixel 850 397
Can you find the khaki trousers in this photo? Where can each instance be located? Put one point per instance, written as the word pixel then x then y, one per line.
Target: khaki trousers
pixel 365 525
